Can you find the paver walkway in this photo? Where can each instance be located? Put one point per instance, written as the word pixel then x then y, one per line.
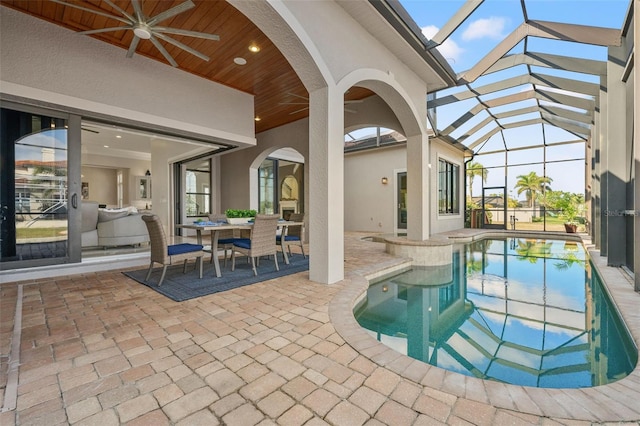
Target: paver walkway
pixel 101 349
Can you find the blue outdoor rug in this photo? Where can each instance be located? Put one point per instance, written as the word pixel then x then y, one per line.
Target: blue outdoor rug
pixel 180 287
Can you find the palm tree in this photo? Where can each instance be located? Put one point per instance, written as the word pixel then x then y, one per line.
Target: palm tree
pixel 475 169
pixel 532 250
pixel 531 184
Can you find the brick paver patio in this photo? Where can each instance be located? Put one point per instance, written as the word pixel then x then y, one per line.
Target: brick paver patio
pixel 101 349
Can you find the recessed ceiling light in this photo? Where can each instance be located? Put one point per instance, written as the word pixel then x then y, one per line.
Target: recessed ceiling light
pixel 106 146
pixel 118 136
pixel 253 48
pixel 240 61
pixel 257 118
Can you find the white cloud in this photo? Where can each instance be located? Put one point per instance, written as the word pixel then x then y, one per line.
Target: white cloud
pixel 449 49
pixel 485 28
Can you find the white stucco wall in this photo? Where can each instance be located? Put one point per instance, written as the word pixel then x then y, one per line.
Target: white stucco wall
pixel 46 62
pixel 371 112
pixel 345 45
pixel 370 205
pixel 443 223
pixel 130 167
pixel 235 166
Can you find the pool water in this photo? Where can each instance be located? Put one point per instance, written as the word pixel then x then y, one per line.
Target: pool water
pixel 520 311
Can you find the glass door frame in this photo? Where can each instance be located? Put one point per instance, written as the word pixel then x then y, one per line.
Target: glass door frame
pixel 400 199
pixel 74 217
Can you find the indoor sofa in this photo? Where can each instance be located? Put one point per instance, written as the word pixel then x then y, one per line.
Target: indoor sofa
pixel 108 228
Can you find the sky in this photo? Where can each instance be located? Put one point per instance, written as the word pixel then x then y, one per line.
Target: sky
pixel 490 23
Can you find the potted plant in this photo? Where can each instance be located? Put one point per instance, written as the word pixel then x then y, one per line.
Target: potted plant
pixel 239 216
pixel 570 213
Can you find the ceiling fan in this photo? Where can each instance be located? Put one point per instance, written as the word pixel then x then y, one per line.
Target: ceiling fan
pixel 306 107
pixel 145 27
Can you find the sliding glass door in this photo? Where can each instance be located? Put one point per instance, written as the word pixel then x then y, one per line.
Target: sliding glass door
pixel 40 169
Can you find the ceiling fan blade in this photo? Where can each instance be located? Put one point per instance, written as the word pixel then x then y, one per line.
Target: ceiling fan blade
pixel 182 46
pixel 97 12
pixel 133 46
pixel 166 30
pixel 298 96
pixel 119 9
pixel 164 52
pixel 171 12
pixel 298 110
pixel 138 10
pixel 104 30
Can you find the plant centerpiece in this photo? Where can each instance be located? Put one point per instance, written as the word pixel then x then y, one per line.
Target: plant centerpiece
pixel 239 216
pixel 570 214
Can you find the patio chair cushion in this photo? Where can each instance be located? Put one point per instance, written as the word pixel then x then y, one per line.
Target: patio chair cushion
pixel 226 240
pixel 288 238
pixel 242 242
pixel 183 248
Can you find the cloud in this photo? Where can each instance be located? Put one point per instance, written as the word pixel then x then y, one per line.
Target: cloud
pixel 492 28
pixel 449 49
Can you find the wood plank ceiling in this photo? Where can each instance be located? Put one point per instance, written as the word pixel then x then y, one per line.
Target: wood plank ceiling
pixel 267 74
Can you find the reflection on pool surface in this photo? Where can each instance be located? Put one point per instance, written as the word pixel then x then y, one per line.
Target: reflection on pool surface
pixel 515 310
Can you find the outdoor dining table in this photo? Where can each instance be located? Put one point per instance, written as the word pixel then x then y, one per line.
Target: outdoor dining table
pixel 216 227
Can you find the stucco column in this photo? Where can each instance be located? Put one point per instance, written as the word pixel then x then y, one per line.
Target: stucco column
pixel 602 159
pixel 616 170
pixel 636 150
pixel 326 186
pixel 418 187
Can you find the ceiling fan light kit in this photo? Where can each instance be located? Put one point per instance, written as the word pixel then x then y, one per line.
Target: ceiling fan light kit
pixel 145 28
pixel 142 31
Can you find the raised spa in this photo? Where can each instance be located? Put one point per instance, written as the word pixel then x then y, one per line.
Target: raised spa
pixel 522 311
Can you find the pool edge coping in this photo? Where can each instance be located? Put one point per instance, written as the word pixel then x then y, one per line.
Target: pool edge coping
pixel 611 402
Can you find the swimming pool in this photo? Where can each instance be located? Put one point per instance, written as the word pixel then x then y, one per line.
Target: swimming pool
pixel 530 312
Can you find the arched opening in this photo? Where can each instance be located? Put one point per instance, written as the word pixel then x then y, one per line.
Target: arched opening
pixel 386 161
pixel 277 179
pixel 375 180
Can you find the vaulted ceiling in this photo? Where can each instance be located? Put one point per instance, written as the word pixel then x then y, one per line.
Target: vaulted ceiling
pixel 267 75
pixel 281 98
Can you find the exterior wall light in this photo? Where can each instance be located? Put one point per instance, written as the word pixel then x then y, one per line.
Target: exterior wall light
pixel 385 180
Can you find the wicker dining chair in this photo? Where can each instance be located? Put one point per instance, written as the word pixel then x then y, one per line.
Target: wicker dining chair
pixel 262 241
pixel 225 237
pixel 294 235
pixel 165 254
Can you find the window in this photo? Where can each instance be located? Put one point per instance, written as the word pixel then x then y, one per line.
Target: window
pixel 448 187
pixel 266 178
pixel 198 189
pixel 371 137
pixel 120 188
pixel 280 184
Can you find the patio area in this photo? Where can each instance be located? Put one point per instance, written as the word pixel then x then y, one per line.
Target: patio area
pixel 99 348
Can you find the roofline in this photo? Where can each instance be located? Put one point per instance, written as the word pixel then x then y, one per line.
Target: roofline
pixel 397 16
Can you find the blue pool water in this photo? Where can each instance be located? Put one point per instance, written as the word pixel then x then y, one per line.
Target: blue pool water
pixel 515 310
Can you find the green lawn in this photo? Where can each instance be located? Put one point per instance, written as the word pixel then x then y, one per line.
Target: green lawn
pixel 35 233
pixel 553 224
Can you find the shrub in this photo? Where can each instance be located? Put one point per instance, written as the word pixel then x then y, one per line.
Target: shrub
pixel 240 213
